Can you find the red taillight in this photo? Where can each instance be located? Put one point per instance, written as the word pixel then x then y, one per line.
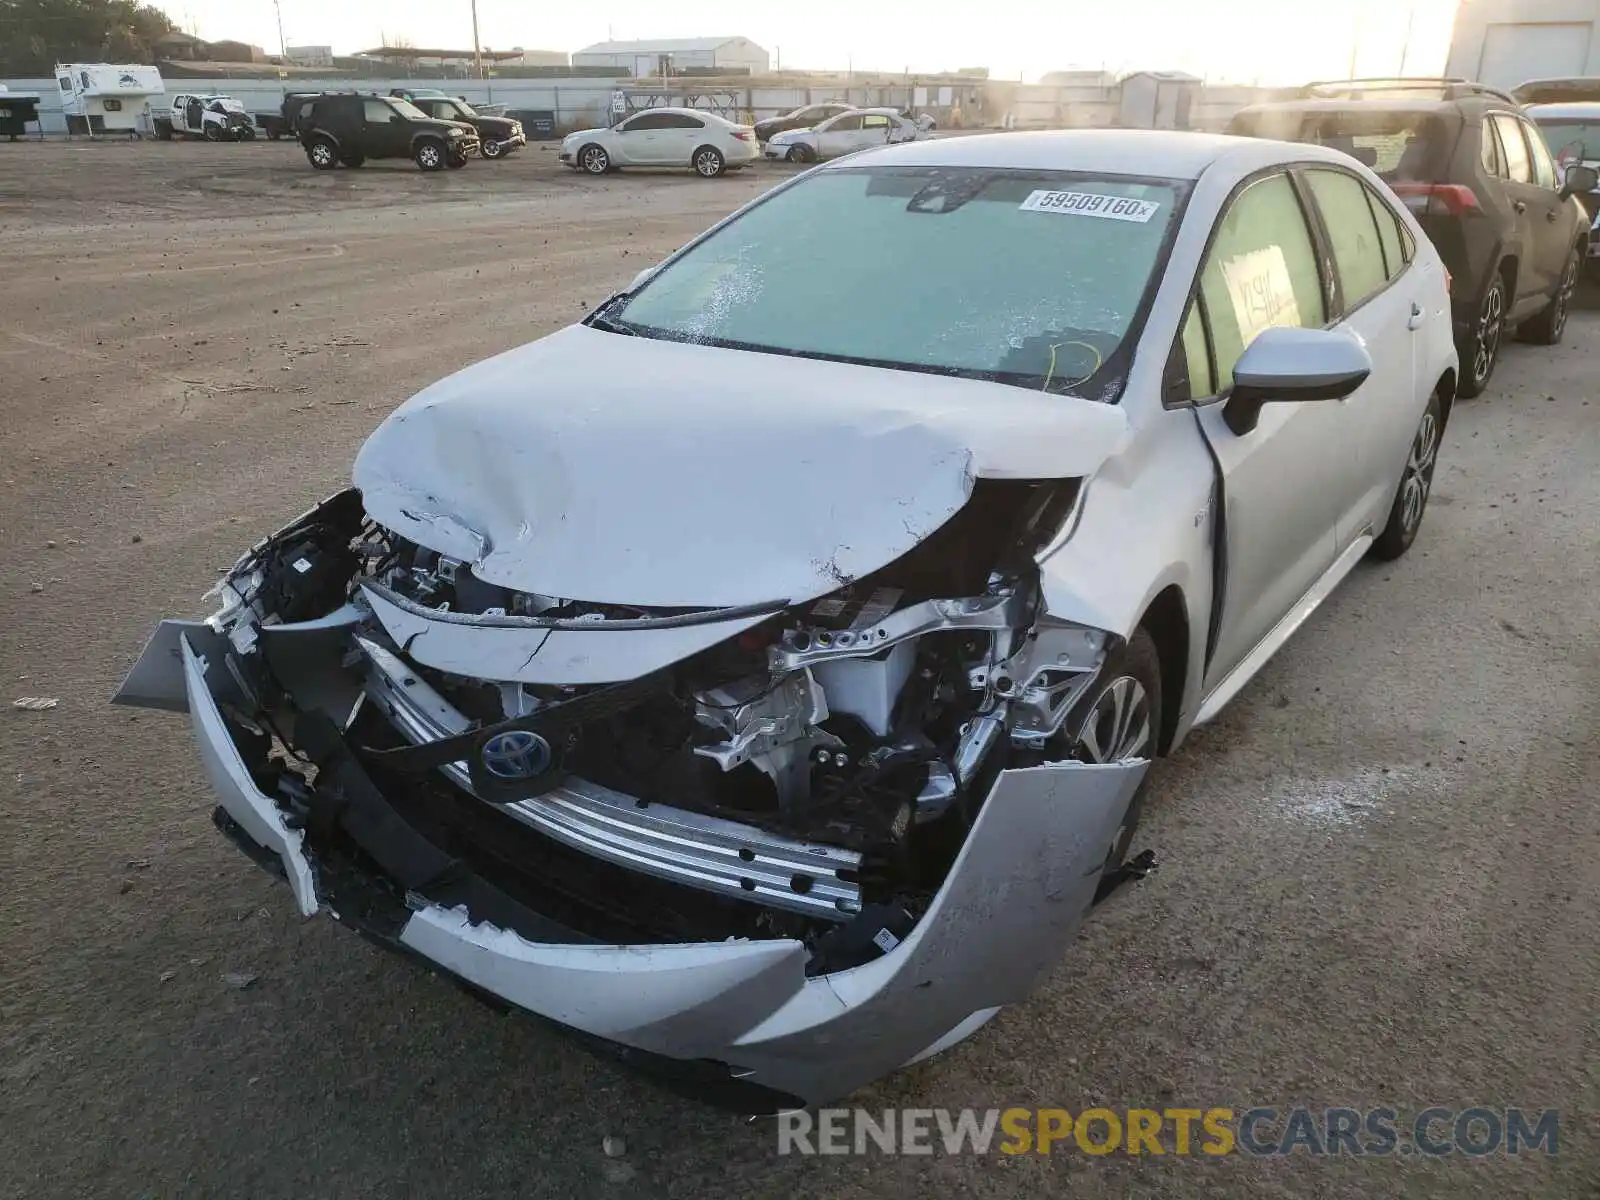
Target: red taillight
pixel 1437 199
pixel 744 135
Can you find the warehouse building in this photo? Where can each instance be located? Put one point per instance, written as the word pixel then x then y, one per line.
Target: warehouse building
pixel 1507 42
pixel 699 54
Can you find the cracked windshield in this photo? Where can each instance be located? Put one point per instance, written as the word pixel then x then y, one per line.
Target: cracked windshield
pixel 1029 279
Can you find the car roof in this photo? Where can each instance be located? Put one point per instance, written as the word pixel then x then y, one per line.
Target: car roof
pixel 1584 110
pixel 1161 154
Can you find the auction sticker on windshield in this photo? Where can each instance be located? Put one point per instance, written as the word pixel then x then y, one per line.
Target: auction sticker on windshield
pixel 1092 204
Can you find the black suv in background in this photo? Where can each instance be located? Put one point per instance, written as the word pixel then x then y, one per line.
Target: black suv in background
pixel 499 136
pixel 1481 182
pixel 343 127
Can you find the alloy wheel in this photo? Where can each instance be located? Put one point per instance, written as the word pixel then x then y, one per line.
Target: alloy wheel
pixel 595 161
pixel 1491 323
pixel 428 157
pixel 1118 726
pixel 1569 284
pixel 708 163
pixel 322 154
pixel 1418 480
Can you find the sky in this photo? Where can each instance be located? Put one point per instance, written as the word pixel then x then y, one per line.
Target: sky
pixel 1240 41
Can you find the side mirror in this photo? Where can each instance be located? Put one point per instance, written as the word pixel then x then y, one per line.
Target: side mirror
pixel 1579 179
pixel 1286 364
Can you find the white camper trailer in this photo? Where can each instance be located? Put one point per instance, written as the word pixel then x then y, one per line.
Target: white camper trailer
pixel 107 98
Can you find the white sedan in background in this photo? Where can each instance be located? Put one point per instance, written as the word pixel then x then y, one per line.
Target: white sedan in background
pixel 846 133
pixel 663 137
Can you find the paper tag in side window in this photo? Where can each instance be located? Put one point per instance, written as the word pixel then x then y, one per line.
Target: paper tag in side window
pixel 1091 204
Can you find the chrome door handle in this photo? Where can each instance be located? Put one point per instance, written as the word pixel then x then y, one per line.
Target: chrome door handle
pixel 1520 205
pixel 1551 215
pixel 1417 314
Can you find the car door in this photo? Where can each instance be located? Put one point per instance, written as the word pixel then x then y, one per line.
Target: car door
pixel 1384 308
pixel 638 140
pixel 681 134
pixel 838 136
pixel 875 129
pixel 1279 480
pixel 1556 229
pixel 387 133
pixel 1531 205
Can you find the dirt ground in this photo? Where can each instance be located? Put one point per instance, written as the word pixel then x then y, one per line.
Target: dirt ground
pixel 1380 866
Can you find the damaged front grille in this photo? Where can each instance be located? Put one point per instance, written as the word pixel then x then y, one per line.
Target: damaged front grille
pixel 670 843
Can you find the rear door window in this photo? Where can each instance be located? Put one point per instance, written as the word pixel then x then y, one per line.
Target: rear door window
pixel 1352 234
pixel 1390 233
pixel 1261 272
pixel 1519 165
pixel 377 112
pixel 1544 168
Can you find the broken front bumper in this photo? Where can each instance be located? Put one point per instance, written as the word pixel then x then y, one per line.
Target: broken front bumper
pixel 740 1012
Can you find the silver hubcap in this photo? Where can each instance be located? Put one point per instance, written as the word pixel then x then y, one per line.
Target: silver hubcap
pixel 429 156
pixel 1490 323
pixel 707 163
pixel 595 161
pixel 1419 473
pixel 321 155
pixel 1118 726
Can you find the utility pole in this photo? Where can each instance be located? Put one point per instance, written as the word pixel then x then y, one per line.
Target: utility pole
pixel 283 46
pixel 477 56
pixel 1405 46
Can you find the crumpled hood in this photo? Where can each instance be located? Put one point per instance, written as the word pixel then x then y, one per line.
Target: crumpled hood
pixel 613 469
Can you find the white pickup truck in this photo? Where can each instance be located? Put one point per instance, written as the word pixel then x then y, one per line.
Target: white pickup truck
pixel 215 118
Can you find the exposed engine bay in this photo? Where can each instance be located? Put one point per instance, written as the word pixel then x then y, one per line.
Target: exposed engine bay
pixel 813 774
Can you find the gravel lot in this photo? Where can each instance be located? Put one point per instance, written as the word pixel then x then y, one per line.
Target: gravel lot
pixel 1380 866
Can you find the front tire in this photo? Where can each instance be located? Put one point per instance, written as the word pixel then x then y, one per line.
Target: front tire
pixel 800 154
pixel 212 134
pixel 1480 349
pixel 456 161
pixel 594 159
pixel 430 155
pixel 1416 484
pixel 492 150
pixel 1119 719
pixel 708 162
pixel 1546 329
pixel 323 154
pixel 353 160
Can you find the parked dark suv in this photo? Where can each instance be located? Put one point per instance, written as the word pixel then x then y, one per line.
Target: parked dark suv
pixel 346 128
pixel 1466 160
pixel 498 136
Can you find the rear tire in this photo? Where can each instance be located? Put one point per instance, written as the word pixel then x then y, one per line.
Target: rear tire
pixel 1546 329
pixel 1479 350
pixel 1416 484
pixel 708 162
pixel 323 154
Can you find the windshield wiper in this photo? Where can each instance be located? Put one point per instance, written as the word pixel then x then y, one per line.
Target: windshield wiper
pixel 606 325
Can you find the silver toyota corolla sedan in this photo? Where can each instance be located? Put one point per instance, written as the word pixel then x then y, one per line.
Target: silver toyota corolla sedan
pixel 760 676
